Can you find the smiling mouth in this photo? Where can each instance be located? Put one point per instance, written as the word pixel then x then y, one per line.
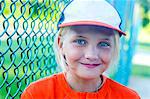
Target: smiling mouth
pixel 90 65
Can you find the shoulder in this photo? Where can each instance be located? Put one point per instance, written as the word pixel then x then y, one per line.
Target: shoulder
pixel 120 90
pixel 47 81
pixel 44 81
pixel 42 87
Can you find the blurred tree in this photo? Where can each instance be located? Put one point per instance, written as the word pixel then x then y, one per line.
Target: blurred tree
pixel 146 7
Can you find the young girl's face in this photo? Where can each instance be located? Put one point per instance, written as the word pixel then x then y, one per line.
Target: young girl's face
pixel 87 50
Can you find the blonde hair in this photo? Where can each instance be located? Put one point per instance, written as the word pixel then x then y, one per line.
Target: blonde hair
pixel 115 55
pixel 60 59
pixel 58 56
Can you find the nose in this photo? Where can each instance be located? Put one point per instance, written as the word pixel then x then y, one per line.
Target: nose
pixel 92 54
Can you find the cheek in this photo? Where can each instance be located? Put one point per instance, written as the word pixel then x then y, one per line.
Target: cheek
pixel 106 56
pixel 72 54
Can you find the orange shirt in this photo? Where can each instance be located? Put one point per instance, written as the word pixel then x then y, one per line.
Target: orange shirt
pixel 56 87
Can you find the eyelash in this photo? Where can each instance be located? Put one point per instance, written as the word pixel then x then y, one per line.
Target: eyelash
pixel 78 41
pixel 107 44
pixel 82 42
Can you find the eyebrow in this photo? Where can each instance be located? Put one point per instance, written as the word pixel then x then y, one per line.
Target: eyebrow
pixel 105 38
pixel 80 36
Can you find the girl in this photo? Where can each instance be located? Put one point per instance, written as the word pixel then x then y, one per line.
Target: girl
pixel 86 45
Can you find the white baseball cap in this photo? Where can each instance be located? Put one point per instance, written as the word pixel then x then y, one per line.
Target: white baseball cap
pixel 91 12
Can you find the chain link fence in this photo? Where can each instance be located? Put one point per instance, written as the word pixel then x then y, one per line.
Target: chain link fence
pixel 27 30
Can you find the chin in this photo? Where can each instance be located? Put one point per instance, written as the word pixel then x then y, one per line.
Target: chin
pixel 88 76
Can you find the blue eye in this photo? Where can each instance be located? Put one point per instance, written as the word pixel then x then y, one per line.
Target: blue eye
pixel 80 42
pixel 104 44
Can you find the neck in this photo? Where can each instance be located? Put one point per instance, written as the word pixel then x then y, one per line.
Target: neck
pixel 83 85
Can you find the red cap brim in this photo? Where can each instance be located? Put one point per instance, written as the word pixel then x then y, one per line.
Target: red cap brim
pixel 90 23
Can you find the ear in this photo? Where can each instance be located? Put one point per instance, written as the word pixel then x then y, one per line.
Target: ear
pixel 59 42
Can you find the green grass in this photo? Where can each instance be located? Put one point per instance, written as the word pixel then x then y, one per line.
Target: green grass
pixel 143 47
pixel 32 66
pixel 13 87
pixel 140 70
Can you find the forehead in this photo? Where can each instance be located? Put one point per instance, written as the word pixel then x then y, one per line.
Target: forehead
pixel 92 29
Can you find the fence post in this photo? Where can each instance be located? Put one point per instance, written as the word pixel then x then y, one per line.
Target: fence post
pixel 125 9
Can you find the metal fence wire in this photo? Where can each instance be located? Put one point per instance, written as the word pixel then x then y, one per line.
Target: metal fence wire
pixel 27 30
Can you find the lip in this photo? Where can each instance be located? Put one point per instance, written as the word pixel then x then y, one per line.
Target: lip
pixel 90 65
